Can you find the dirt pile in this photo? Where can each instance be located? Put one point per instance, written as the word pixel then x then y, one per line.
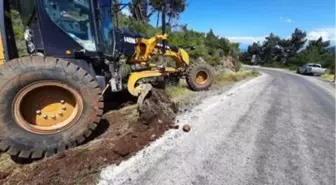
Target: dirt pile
pixel 127 132
pixel 227 62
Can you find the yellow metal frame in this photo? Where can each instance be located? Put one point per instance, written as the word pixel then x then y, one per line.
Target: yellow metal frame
pixel 136 76
pixel 2 57
pixel 145 48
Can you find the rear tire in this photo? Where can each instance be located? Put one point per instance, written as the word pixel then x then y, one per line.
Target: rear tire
pixel 21 73
pixel 199 76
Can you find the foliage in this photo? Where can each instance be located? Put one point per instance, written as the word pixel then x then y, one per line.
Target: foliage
pixel 291 52
pixel 142 10
pixel 328 77
pixel 208 46
pixel 19 33
pixel 224 77
pixel 221 78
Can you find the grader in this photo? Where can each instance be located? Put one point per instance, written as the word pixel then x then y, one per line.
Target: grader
pixel 52 99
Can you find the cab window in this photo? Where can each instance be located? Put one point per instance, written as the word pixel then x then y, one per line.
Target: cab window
pixel 73 17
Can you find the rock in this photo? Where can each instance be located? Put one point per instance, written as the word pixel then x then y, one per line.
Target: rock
pixel 153 137
pixel 121 148
pixel 200 59
pixel 229 62
pixel 186 128
pixel 172 126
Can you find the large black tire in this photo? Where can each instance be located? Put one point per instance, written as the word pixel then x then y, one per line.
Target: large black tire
pixel 17 74
pixel 191 75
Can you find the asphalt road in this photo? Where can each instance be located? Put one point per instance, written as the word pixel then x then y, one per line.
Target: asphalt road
pixel 276 129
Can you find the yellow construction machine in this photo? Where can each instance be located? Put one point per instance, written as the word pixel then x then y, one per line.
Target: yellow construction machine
pixel 52 99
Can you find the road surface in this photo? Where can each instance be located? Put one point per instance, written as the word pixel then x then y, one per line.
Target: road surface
pixel 276 129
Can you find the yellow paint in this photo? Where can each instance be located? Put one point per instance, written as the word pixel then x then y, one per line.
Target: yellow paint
pixel 68 52
pixel 171 70
pixel 136 76
pixel 47 107
pixel 145 47
pixel 185 56
pixel 2 57
pixel 201 77
pixel 48 101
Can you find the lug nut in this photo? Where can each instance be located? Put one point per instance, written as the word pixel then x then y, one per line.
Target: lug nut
pixel 62 101
pixel 63 107
pixel 60 113
pixel 38 112
pixel 45 116
pixel 53 116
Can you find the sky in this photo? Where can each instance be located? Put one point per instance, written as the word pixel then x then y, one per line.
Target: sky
pixel 247 21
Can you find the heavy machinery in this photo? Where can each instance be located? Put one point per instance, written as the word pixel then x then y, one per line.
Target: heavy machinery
pixel 52 99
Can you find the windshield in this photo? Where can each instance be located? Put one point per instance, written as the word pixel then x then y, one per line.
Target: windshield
pixel 106 26
pixel 73 17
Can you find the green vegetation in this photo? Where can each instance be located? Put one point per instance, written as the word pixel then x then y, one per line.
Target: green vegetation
pixel 221 79
pixel 328 77
pixel 179 90
pixel 290 53
pixel 210 47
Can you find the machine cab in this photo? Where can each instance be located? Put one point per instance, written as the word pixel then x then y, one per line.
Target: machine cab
pixel 64 28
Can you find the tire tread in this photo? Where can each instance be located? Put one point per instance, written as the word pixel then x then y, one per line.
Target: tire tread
pixel 87 80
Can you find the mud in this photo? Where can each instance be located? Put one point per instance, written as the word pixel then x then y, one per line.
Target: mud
pixel 126 132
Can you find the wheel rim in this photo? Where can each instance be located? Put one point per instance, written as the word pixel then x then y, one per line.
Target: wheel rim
pixel 201 77
pixel 47 107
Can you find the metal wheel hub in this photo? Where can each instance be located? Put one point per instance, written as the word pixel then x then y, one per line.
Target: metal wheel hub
pixel 47 107
pixel 201 77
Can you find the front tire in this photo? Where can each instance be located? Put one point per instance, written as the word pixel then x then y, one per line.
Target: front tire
pixel 47 106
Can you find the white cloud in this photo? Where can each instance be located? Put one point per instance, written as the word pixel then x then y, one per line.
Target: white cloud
pixel 126 11
pixel 246 40
pixel 286 20
pixel 325 33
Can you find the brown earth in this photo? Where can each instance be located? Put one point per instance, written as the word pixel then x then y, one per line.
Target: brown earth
pixel 127 132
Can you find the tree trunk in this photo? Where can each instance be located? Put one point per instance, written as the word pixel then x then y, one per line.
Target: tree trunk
pixel 158 19
pixel 169 20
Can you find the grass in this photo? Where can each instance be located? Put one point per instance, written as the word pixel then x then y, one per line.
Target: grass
pixel 6 164
pixel 328 77
pixel 221 79
pixel 179 90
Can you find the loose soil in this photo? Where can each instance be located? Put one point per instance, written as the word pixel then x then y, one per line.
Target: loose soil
pixel 124 132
